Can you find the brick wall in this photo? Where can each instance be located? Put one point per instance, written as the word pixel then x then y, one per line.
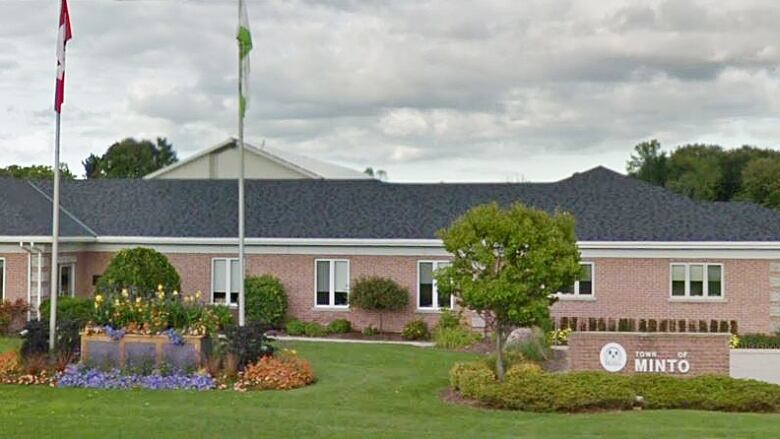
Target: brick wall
pixel 630 288
pixel 704 353
pixel 639 288
pixel 15 275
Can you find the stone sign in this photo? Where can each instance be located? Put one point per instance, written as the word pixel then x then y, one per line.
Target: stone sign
pixel 681 354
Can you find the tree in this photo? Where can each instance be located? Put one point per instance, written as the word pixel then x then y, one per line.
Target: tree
pixel 649 163
pixel 761 182
pixel 507 264
pixel 378 294
pixel 36 172
pixel 695 171
pixel 266 300
pixel 130 158
pixel 140 270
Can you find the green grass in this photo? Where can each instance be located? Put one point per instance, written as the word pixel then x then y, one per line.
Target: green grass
pixel 7 343
pixel 375 391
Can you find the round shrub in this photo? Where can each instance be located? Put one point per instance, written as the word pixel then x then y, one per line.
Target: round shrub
pixel 416 330
pixel 448 319
pixel 458 369
pixel 140 270
pixel 458 337
pixel 295 328
pixel 522 369
pixel 75 309
pixel 379 294
pixel 314 329
pixel 266 300
pixel 340 326
pixel 276 373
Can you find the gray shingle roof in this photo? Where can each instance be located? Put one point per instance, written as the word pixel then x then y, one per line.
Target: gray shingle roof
pixel 608 207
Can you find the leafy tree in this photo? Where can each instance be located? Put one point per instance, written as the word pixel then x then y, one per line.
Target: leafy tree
pixel 761 182
pixel 140 270
pixel 36 172
pixel 130 158
pixel 378 294
pixel 508 263
pixel 649 163
pixel 695 171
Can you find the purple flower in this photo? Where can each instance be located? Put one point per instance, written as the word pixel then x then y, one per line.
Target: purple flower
pixel 84 377
pixel 174 337
pixel 115 334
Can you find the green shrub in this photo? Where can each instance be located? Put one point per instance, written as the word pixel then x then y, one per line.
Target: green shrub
pixel 370 330
pixel 759 341
pixel 511 358
pixel 295 328
pixel 416 330
pixel 449 319
pixel 140 270
pixel 76 309
pixel 455 338
pixel 378 294
pixel 340 326
pixel 528 388
pixel 314 329
pixel 266 300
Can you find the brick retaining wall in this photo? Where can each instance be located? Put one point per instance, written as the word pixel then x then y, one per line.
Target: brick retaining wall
pixel 703 353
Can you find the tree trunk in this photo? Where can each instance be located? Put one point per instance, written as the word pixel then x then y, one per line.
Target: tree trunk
pixel 499 352
pixel 380 323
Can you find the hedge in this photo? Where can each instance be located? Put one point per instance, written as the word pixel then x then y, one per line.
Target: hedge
pixel 529 389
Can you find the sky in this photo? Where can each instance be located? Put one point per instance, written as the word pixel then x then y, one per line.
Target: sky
pixel 426 90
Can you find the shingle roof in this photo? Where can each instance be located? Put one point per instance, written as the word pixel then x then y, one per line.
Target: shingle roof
pixel 608 207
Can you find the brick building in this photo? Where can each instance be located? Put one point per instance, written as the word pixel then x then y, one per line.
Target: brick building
pixel 647 252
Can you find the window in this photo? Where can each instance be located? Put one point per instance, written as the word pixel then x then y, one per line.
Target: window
pixel 428 296
pixel 225 277
pixel 331 282
pixel 697 280
pixel 2 279
pixel 67 280
pixel 584 286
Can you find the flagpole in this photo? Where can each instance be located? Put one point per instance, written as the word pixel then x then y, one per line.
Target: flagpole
pixel 55 235
pixel 241 268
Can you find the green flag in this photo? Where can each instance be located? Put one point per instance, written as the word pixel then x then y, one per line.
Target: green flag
pixel 244 47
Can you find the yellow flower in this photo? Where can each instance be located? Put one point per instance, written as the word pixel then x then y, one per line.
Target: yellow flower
pixel 159 287
pixel 175 293
pixel 125 293
pixel 198 294
pixel 138 300
pixel 98 298
pixel 116 302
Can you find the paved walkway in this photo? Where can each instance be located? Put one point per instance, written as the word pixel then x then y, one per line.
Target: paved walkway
pixel 421 344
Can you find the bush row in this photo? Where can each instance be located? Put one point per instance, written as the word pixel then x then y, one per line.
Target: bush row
pixel 527 388
pixel 645 325
pixel 314 329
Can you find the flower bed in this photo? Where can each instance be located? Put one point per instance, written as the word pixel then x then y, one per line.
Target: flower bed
pixel 284 372
pixel 92 378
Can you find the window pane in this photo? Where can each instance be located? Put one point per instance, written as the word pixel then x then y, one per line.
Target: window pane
pixel 323 282
pixel 697 280
pixel 219 276
pixel 66 273
pixel 219 297
pixel 341 274
pixel 714 280
pixel 426 285
pixel 445 300
pixel 567 290
pixel 234 298
pixel 586 279
pixel 340 297
pixel 678 280
pixel 235 276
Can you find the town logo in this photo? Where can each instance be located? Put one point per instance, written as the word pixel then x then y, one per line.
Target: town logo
pixel 613 357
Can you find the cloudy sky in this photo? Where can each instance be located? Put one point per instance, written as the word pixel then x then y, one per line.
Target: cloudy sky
pixel 427 90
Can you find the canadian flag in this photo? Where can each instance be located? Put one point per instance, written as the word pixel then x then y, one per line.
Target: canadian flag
pixel 62 39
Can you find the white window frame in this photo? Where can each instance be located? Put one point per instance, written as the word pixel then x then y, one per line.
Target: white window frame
pixel 434 290
pixel 332 283
pixel 228 280
pixel 705 292
pixel 576 294
pixel 72 285
pixel 5 272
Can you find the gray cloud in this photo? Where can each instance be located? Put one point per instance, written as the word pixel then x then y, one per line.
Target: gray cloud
pixel 430 90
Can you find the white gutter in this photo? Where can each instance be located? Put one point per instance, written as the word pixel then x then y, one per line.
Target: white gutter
pixel 426 243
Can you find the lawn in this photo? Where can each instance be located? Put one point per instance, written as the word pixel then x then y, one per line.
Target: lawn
pixel 376 391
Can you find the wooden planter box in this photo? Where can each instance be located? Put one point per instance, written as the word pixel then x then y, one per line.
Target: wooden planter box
pixel 134 350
